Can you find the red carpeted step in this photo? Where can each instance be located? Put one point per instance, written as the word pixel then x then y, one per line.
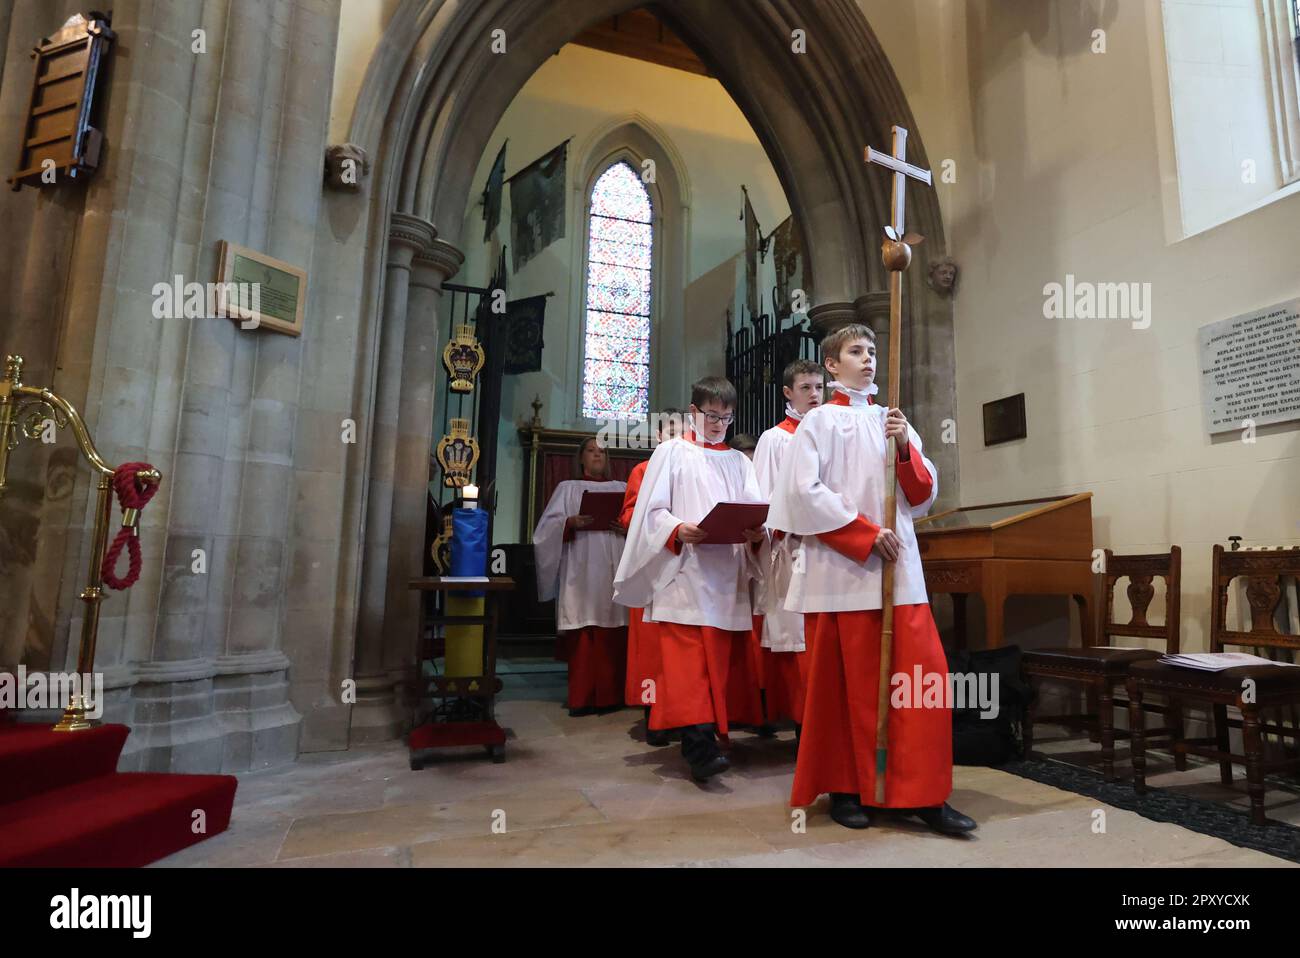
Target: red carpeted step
pixel 35 758
pixel 115 821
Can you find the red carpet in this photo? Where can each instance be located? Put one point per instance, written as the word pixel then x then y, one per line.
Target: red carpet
pixel 63 805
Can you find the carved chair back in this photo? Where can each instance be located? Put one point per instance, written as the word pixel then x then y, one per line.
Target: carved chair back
pixel 1139 570
pixel 1264 572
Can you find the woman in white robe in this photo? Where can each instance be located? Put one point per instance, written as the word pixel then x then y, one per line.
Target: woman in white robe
pixel 576 567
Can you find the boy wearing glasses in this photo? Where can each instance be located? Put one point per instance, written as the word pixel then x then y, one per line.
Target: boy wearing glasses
pixel 831 492
pixel 696 593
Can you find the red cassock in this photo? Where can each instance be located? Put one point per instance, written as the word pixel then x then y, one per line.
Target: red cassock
pixel 707 678
pixel 643 659
pixel 697 596
pixel 577 570
pixel 837 750
pixel 778 635
pixel 782 677
pixel 755 648
pixel 707 675
pixel 596 658
pixel 785 680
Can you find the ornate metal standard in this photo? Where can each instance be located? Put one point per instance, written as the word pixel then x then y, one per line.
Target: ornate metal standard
pixel 896 254
pixel 28 411
pixel 463 357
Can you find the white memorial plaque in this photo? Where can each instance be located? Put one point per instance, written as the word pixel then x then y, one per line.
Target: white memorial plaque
pixel 1250 368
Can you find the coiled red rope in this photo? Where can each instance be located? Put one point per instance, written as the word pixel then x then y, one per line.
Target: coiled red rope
pixel 132 493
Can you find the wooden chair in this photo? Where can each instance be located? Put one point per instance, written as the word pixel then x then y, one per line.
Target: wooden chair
pixel 1101 670
pixel 1251 688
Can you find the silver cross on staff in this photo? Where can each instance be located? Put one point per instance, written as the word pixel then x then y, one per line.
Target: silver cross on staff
pixel 896 255
pixel 902 169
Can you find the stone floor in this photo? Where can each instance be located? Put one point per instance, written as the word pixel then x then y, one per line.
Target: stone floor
pixel 588 791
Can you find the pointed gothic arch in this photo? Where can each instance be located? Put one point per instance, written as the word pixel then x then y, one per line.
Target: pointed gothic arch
pixel 434 93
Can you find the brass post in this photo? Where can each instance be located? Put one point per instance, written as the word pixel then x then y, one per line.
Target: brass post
pixel 63 413
pixel 8 413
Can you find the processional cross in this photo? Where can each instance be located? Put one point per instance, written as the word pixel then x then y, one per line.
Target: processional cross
pixel 896 253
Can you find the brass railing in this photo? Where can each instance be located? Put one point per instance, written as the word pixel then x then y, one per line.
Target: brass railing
pixel 28 411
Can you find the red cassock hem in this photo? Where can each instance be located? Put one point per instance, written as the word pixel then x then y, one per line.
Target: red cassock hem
pixel 784 683
pixel 837 747
pixel 707 678
pixel 597 660
pixel 644 662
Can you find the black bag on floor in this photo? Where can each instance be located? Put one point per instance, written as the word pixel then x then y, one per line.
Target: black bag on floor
pixel 993 739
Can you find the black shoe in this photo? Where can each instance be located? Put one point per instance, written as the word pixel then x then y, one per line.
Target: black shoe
pixel 657 738
pixel 700 749
pixel 848 811
pixel 580 712
pixel 765 731
pixel 706 770
pixel 946 820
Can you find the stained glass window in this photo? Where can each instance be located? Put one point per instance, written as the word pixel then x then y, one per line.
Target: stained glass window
pixel 616 344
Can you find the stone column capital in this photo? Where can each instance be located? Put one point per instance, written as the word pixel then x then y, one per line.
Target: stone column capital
pixel 825 318
pixel 408 235
pixel 872 310
pixel 435 264
pixel 869 309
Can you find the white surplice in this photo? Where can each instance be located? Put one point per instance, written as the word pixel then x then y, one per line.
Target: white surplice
pixel 579 572
pixel 834 470
pixel 703 584
pixel 782 629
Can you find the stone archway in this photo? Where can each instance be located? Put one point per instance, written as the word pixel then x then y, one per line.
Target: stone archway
pixel 431 98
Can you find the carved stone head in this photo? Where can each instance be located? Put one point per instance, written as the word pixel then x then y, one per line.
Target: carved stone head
pixel 346 165
pixel 943 276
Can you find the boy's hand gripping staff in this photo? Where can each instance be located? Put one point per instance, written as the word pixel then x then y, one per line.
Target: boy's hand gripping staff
pixel 896 254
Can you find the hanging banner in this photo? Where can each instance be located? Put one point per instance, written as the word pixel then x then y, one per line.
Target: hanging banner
pixel 787 258
pixel 753 243
pixel 537 196
pixel 492 194
pixel 525 325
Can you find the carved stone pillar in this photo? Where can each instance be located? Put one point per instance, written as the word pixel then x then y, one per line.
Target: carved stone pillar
pixel 425 322
pixel 376 715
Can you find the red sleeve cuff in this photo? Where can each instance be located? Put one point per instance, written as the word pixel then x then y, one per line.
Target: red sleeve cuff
pixel 568 533
pixel 853 540
pixel 674 546
pixel 913 477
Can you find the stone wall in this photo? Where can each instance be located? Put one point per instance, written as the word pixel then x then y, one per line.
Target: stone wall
pixel 202 145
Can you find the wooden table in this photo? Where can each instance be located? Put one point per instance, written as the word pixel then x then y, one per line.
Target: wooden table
pixel 1026 547
pixel 479 691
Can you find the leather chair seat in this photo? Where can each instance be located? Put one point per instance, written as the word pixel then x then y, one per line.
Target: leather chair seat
pixel 1267 678
pixel 1099 659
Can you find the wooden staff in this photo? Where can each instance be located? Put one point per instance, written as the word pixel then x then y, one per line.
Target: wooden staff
pixel 896 253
